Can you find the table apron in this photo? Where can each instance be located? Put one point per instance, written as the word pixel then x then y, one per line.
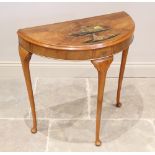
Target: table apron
pixel 75 54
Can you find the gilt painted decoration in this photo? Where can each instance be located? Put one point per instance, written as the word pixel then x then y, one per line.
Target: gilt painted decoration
pixel 93 31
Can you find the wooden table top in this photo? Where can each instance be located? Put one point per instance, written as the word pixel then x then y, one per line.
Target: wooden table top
pixel 83 34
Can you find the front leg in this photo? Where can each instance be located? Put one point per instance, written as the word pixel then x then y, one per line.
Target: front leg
pixel 25 57
pixel 102 66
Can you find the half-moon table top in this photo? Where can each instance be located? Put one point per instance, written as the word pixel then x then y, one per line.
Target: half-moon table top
pixel 80 39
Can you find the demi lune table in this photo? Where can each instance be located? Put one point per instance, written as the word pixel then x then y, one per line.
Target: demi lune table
pixel 96 39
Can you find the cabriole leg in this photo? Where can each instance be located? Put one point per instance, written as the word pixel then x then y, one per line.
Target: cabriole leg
pixel 102 66
pixel 25 57
pixel 122 68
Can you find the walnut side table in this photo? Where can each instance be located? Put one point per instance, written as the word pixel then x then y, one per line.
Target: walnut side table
pixel 96 39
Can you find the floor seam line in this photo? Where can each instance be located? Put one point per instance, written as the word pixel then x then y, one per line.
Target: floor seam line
pixel 48 132
pixel 120 119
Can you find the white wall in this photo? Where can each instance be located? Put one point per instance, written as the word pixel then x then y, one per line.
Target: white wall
pixel 19 15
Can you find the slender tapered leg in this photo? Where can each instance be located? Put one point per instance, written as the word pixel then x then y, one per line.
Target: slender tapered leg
pixel 122 68
pixel 25 57
pixel 102 66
